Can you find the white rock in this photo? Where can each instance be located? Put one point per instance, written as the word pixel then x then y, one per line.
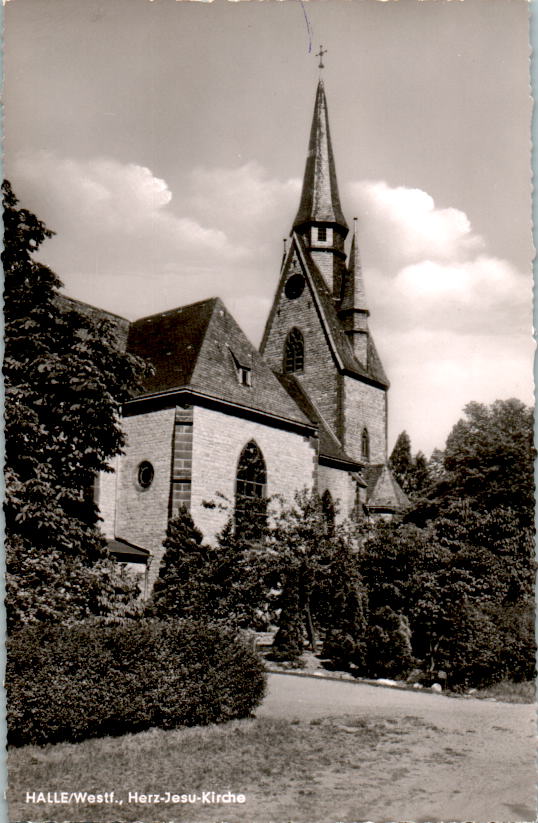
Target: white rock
pixel 436 687
pixel 417 685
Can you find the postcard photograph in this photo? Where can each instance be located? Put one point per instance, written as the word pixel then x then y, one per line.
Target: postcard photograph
pixel 268 367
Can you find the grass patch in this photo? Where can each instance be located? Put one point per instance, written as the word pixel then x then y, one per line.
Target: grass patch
pixel 509 692
pixel 273 762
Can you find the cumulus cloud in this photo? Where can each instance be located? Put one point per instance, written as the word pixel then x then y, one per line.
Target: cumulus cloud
pixel 409 226
pixel 453 322
pixel 425 266
pixel 125 242
pixel 102 198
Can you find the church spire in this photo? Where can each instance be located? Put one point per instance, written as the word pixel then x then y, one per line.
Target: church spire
pixel 353 291
pixel 353 311
pixel 320 201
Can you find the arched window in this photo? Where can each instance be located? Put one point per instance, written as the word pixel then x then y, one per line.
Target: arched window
pixel 294 352
pixel 365 444
pixel 329 511
pixel 250 492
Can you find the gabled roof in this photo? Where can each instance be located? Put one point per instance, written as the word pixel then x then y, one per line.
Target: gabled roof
pixel 200 347
pixel 329 445
pixel 320 200
pixel 171 341
pixel 342 350
pixel 383 490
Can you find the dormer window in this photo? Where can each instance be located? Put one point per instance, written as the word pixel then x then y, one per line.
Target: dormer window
pixel 322 233
pixel 243 373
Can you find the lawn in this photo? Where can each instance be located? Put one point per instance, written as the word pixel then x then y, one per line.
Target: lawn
pixel 284 768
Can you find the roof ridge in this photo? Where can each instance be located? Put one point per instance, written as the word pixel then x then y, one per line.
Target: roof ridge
pixel 84 303
pixel 177 309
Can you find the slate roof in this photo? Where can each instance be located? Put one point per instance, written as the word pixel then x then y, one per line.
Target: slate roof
pixel 373 370
pixel 354 296
pixel 383 490
pixel 200 347
pixel 171 341
pixel 329 445
pixel 320 200
pixel 127 552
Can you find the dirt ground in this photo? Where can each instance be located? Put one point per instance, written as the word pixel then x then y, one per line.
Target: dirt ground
pixel 448 759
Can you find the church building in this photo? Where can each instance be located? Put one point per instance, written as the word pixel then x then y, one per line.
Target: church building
pixel 221 426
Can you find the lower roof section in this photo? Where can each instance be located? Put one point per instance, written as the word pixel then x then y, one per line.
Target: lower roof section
pixel 127 552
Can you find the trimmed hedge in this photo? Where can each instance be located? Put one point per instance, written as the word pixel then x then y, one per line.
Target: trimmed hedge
pixel 69 683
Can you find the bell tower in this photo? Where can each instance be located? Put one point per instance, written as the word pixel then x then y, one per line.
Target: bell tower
pixel 317 338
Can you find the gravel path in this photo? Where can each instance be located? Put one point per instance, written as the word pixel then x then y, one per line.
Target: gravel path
pixel 460 759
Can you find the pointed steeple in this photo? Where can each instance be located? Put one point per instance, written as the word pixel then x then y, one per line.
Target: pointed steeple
pixel 353 312
pixel 353 291
pixel 320 201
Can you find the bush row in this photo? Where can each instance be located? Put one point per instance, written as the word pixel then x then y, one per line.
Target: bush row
pixel 69 683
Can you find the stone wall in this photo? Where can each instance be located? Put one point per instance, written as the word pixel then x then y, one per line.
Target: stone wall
pixel 218 440
pixel 364 406
pixel 142 514
pixel 320 375
pixel 342 487
pixel 105 498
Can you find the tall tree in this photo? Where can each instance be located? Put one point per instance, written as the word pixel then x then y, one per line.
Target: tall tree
pixel 66 378
pixel 400 459
pixel 224 582
pixel 489 456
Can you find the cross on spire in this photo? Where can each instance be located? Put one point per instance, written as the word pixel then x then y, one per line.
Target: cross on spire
pixel 320 54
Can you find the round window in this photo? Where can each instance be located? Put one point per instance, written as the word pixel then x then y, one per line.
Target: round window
pixel 294 286
pixel 145 474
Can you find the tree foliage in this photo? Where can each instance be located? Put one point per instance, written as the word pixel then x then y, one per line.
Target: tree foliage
pixel 196 580
pixel 412 473
pixel 400 460
pixel 65 381
pixel 321 590
pixel 489 457
pixel 462 582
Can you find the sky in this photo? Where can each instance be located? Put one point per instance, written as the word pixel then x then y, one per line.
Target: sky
pixel 164 142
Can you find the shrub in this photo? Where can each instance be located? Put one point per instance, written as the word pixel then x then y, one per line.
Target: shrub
pixel 288 641
pixel 389 644
pixel 68 683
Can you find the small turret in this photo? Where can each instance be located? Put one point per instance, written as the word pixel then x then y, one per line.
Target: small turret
pixel 353 312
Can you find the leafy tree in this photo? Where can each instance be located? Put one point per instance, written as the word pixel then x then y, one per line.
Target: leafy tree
pixel 298 541
pixel 419 475
pixel 344 617
pixel 400 459
pixel 455 581
pixel 288 643
pixel 204 582
pixel 436 466
pixel 489 456
pixel 389 650
pixel 321 591
pixel 180 589
pixel 66 378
